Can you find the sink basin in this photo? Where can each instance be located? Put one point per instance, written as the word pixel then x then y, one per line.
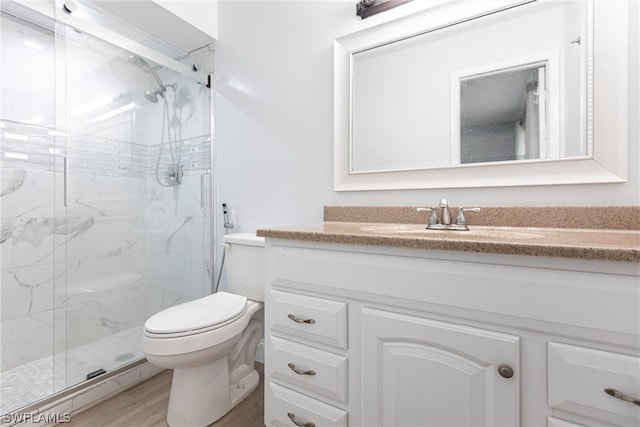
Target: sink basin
pixel 474 232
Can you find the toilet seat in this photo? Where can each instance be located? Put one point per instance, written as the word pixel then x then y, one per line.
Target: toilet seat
pixel 197 316
pixel 172 344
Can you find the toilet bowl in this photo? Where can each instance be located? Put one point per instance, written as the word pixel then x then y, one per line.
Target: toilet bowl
pixel 210 343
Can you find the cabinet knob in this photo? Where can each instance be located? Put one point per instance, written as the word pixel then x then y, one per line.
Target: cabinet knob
pixel 622 396
pixel 505 371
pixel 299 320
pixel 299 423
pixel 300 371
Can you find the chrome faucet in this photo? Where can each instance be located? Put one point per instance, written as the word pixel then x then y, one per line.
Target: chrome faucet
pixel 445 217
pixel 445 214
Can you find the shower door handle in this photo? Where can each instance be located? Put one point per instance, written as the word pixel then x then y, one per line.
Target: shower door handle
pixel 202 190
pixel 65 179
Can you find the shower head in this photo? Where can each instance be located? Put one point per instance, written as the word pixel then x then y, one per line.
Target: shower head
pixel 137 61
pixel 151 96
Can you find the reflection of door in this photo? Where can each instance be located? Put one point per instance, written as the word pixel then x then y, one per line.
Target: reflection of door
pixel 540 106
pixel 501 112
pixel 420 372
pixel 531 140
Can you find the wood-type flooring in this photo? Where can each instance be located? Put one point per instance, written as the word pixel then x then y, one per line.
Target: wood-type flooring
pixel 145 405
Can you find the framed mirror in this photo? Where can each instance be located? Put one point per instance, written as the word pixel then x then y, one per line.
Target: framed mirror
pixel 483 94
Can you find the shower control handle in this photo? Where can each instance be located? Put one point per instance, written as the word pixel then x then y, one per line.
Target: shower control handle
pixel 300 371
pixel 292 417
pixel 299 320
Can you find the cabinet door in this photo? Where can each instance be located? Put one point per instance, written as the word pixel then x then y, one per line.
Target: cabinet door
pixel 421 372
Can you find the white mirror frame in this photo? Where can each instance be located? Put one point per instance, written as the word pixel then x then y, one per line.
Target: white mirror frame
pixel 607 162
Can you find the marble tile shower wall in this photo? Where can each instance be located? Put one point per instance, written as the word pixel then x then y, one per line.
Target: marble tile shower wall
pixel 125 247
pixel 61 266
pixel 177 218
pixel 177 221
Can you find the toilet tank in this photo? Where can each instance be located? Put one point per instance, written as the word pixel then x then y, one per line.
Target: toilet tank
pixel 244 263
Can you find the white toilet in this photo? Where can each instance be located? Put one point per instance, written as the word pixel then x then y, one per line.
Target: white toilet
pixel 211 342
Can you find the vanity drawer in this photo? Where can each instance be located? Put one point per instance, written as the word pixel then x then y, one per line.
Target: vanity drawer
pixel 288 408
pixel 312 318
pixel 578 377
pixel 557 422
pixel 317 370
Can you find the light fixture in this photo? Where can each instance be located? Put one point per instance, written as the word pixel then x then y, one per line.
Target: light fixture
pixel 366 8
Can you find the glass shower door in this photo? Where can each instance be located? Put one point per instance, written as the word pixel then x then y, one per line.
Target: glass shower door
pixel 28 174
pixel 102 242
pixel 104 202
pixel 137 149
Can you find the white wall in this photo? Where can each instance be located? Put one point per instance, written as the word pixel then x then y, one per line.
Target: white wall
pixel 275 120
pixel 202 14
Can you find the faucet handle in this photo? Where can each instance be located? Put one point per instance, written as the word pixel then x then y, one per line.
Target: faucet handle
pixel 460 220
pixel 433 218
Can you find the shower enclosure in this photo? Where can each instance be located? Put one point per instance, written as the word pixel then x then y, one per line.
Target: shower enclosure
pixel 104 200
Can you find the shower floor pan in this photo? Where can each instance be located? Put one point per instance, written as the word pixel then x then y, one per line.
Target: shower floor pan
pixel 37 380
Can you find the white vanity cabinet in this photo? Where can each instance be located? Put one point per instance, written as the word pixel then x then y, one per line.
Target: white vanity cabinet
pixel 307 344
pixel 377 336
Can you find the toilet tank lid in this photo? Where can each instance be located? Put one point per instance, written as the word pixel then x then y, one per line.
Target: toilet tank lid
pixel 249 239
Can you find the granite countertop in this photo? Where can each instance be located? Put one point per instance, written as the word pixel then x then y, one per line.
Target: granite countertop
pixel 582 243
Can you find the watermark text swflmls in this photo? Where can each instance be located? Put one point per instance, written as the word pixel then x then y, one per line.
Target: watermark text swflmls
pixel 37 417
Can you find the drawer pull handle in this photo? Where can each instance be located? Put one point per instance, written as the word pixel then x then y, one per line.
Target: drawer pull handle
pixel 299 423
pixel 300 371
pixel 622 396
pixel 298 320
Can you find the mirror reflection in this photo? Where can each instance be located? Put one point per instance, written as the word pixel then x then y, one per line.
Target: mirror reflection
pixel 511 126
pixel 488 89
